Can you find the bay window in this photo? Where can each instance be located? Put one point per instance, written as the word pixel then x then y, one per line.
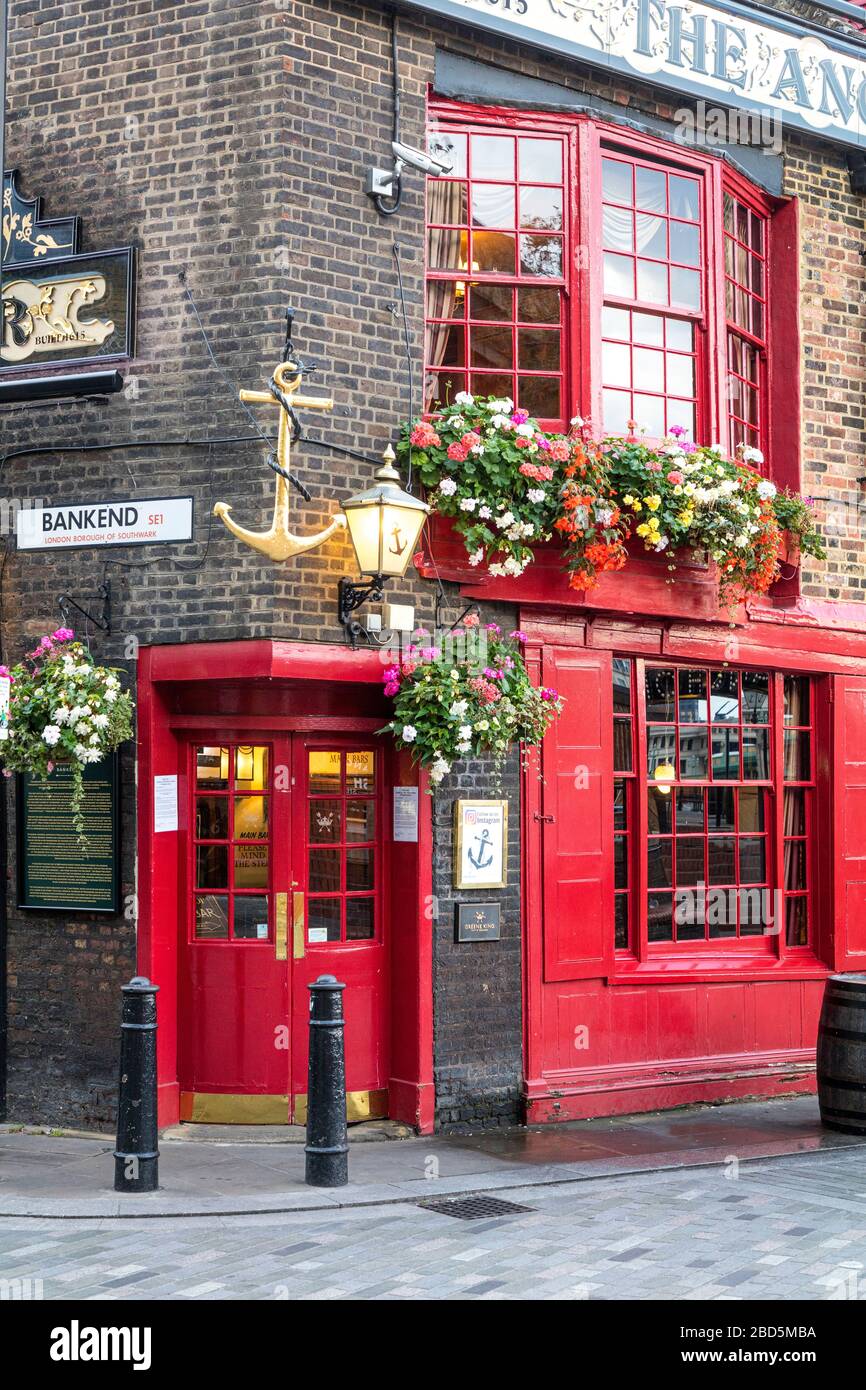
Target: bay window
pixel 582 269
pixel 713 804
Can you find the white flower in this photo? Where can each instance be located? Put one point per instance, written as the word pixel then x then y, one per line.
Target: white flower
pixel 463 747
pixel 662 543
pixel 100 721
pixel 464 398
pixel 536 494
pixel 82 729
pixel 577 420
pixel 465 731
pixel 477 449
pixel 482 724
pixel 512 566
pixel 603 515
pixel 456 422
pixel 477 556
pixel 528 528
pixel 50 734
pixel 485 513
pixel 750 455
pixel 502 407
pixel 410 733
pixel 504 520
pixel 110 696
pixel 94 738
pixel 60 715
pixel 468 504
pixel 496 570
pixel 448 487
pixel 92 755
pixel 458 709
pixel 86 710
pixel 528 431
pixel 440 768
pixel 81 752
pixel 499 420
pixel 515 532
pixel 765 490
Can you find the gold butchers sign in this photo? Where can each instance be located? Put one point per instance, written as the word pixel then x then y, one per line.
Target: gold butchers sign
pixel 43 317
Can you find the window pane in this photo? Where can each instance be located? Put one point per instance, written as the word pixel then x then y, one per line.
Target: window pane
pixel 251 818
pixel 795 864
pixel 796 922
pixel 451 146
pixel 616 364
pixel 492 347
pixel 685 243
pixel 251 767
pixel 447 250
pixel 616 411
pixel 542 208
pixel 540 395
pixel 794 814
pixel 538 349
pixel 693 754
pixel 251 918
pixel 720 808
pixel 691 868
pixel 212 817
pixel 684 197
pixel 722 860
pixel 660 857
pixel 251 866
pixel 756 697
pixel 756 754
pixel 324 771
pixel 618 229
pixel 212 866
pixel 491 302
pixel 652 282
pixel 752 805
pixel 615 322
pixel 651 236
pixel 722 913
pixel 661 748
pixel 621 922
pixel 324 870
pixel 659 811
pixel 649 370
pixel 726 754
pixel 724 697
pixel 616 180
pixel 753 867
pixel 797 756
pixel 685 287
pixel 325 822
pixel 492 157
pixel 620 861
pixel 693 696
pixel 541 160
pixel 359 869
pixel 360 820
pixel 650 413
pixel 690 809
pixel 360 919
pixel 619 275
pixel 538 305
pixel 648 329
pixel 659 694
pixel 797 700
pixel 622 745
pixel 621 685
pixel 493 251
pixel 660 922
pixel 541 255
pixel 620 806
pixel 212 767
pixel 361 771
pixel 651 190
pixel 492 205
pixel 323 920
pixel 211 918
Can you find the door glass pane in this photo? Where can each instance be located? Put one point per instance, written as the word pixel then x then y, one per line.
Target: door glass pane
pixel 620 806
pixel 211 918
pixel 693 754
pixel 722 864
pixel 756 697
pixel 622 745
pixel 323 920
pixel 211 817
pixel 795 864
pixel 324 870
pixel 794 812
pixel 797 700
pixel 752 860
pixel 797 756
pixel 212 866
pixel 251 818
pixel 359 869
pixel 251 918
pixel 251 866
pixel 361 771
pixel 726 753
pixel 720 808
pixel 360 919
pixel 325 822
pixel 693 696
pixel 212 767
pixel 661 750
pixel 360 820
pixel 324 770
pixel 690 810
pixel 724 697
pixel 659 694
pixel 691 869
pixel 658 811
pixel 756 754
pixel 796 922
pixel 659 863
pixel 660 917
pixel 751 804
pixel 251 767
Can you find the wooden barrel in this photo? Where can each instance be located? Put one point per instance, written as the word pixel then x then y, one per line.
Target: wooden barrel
pixel 842 1054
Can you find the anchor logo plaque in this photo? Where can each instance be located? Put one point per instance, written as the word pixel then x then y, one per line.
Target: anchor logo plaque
pixel 480 844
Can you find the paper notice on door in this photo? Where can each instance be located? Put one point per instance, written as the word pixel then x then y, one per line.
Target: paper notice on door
pixel 317 936
pixel 406 813
pixel 164 803
pixel 5 697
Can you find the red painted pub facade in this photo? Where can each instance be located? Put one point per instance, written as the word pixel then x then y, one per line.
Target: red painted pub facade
pixel 665 940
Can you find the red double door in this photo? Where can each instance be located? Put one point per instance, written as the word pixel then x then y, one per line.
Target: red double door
pixel 285 881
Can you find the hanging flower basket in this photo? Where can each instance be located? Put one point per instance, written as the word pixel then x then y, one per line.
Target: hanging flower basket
pixel 64 710
pixel 469 699
pixel 508 486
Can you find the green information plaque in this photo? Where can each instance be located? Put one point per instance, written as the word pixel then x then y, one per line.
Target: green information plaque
pixel 54 871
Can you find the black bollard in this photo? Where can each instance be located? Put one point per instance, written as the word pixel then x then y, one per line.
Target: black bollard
pixel 327 1146
pixel 136 1158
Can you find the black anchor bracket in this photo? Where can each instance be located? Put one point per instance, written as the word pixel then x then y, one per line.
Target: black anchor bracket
pixel 102 620
pixel 351 597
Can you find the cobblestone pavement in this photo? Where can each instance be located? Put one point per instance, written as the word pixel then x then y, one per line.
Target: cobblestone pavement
pixel 778 1229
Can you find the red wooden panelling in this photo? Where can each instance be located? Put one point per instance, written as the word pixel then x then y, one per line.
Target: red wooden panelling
pixel 850 821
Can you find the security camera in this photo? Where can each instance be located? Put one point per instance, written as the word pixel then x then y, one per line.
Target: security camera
pixel 417 159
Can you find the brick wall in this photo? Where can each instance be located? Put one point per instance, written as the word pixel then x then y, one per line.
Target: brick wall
pixel 231 140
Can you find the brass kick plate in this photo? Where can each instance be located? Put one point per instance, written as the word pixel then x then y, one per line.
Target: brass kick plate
pixel 281 928
pixel 298 926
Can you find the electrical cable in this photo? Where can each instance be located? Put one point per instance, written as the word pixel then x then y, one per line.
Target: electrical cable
pixel 380 205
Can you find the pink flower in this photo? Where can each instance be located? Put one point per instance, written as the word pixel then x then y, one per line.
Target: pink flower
pixel 392 688
pixel 457 452
pixel 429 653
pixel 675 476
pixel 654 466
pixel 548 694
pixel 471 620
pixel 391 674
pixel 518 635
pixel 559 451
pixel 63 634
pixel 493 627
pixel 424 436
pixel 677 431
pixel 522 442
pixel 520 417
pixel 543 443
pixel 470 440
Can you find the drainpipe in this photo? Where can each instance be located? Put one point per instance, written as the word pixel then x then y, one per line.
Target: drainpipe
pixel 4 20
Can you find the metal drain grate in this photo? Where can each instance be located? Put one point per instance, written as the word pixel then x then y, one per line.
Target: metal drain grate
pixel 473 1208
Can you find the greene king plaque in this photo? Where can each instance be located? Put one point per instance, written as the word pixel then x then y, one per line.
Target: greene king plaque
pixel 55 873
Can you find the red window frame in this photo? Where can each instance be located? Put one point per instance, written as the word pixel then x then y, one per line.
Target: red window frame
pixel 787 784
pixel 351 789
pixel 200 844
pixel 587 141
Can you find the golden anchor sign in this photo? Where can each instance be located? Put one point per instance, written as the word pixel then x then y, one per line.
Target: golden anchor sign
pixel 278 542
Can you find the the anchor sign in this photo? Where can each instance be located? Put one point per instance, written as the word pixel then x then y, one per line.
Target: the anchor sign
pixel 399 540
pixel 477 859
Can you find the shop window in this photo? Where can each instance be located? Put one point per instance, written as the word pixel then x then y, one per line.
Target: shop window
pixel 727 777
pixel 231 844
pixel 578 269
pixel 342 845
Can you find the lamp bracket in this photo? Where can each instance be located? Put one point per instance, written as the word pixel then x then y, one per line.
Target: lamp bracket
pixel 351 596
pixel 101 621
